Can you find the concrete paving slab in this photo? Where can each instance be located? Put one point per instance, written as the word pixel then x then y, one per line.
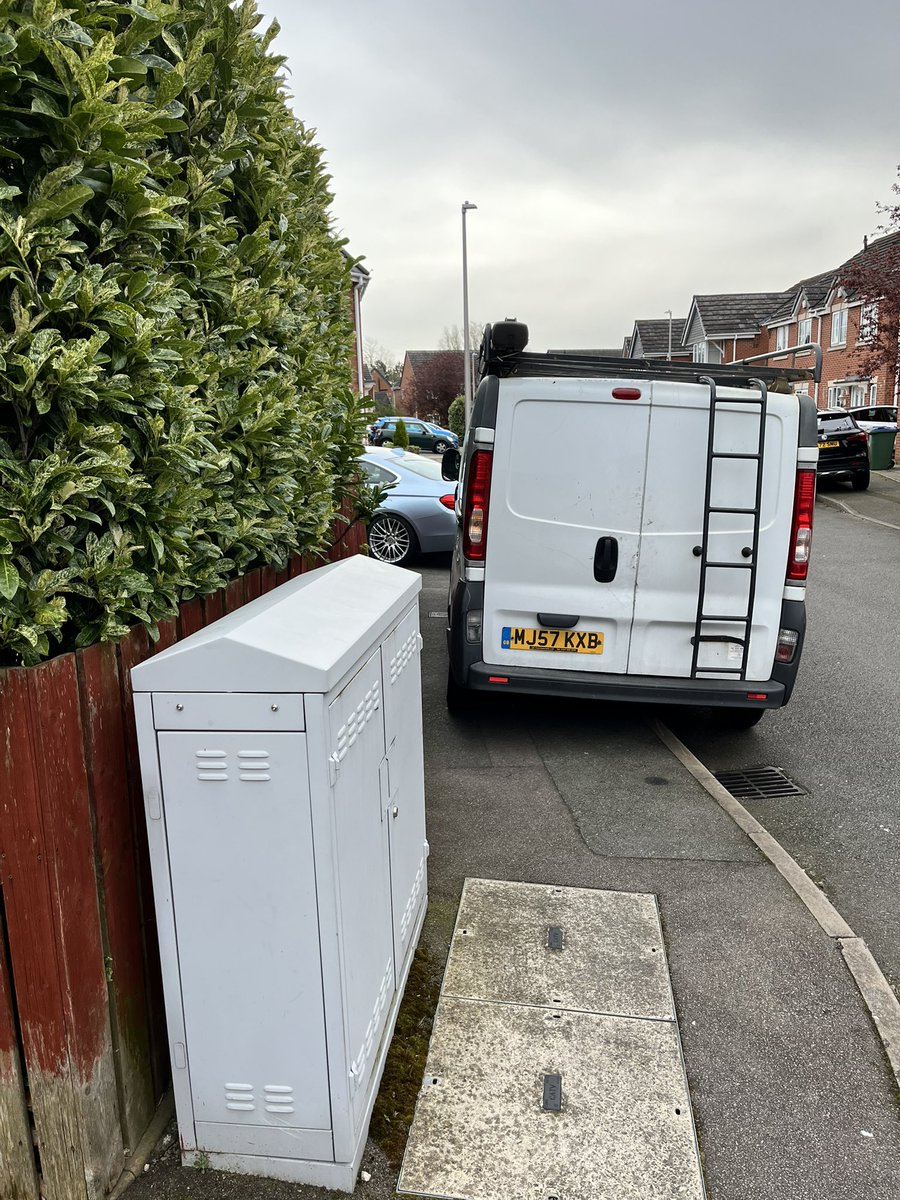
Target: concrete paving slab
pixel 623 1130
pixel 559 947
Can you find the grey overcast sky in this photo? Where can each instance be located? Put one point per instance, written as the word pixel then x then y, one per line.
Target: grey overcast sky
pixel 622 156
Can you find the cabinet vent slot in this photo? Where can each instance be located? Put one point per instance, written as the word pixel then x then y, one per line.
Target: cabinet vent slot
pixel 404 655
pixel 254 765
pixel 212 765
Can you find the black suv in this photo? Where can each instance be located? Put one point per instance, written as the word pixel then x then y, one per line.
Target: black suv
pixel 843 449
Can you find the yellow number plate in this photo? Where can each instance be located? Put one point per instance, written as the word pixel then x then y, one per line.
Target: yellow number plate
pixel 577 641
pixel 828 445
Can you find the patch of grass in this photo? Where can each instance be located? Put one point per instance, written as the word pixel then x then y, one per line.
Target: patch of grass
pixel 405 1065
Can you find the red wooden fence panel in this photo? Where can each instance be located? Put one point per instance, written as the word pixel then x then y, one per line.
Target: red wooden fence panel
pixel 190 617
pixel 213 607
pixel 18 1174
pixel 102 712
pixel 267 579
pixel 235 597
pixel 132 649
pixel 252 585
pixel 168 635
pixel 56 950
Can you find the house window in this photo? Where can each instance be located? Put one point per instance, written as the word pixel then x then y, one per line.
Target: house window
pixel 781 337
pixel 873 392
pixel 700 352
pixel 868 323
pixel 804 331
pixel 838 395
pixel 839 327
pixel 857 395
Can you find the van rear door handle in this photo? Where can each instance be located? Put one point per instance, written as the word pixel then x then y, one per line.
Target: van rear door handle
pixel 606 559
pixel 558 620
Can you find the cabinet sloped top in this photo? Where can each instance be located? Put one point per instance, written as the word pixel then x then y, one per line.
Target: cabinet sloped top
pixel 302 637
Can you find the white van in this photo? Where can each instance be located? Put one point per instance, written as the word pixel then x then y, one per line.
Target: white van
pixel 632 530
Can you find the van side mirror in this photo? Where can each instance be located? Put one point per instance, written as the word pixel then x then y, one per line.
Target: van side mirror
pixel 450 464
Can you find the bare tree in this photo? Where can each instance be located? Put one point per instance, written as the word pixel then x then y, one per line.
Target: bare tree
pixel 437 382
pixel 873 276
pixel 452 337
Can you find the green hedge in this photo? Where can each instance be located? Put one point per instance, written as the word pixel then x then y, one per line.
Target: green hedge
pixel 175 337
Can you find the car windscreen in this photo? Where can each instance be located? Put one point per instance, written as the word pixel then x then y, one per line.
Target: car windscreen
pixel 426 467
pixel 837 424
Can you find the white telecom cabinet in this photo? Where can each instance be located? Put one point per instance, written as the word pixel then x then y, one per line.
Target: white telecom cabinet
pixel 281 753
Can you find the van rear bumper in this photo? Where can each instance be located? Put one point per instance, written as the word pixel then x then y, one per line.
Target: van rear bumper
pixel 470 671
pixel 636 689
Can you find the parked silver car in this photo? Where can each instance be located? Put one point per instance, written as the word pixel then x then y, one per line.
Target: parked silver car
pixel 417 514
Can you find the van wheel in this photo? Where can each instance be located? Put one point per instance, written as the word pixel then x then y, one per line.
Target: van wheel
pixel 459 699
pixel 738 718
pixel 860 481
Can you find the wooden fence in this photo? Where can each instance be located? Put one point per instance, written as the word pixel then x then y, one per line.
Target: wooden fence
pixel 83 1053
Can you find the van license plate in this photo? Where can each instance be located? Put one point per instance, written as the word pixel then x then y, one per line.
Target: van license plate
pixel 577 641
pixel 828 445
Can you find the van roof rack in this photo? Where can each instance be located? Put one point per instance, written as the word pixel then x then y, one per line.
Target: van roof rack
pixel 503 353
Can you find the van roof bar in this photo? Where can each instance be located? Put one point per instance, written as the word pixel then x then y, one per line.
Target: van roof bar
pixel 502 353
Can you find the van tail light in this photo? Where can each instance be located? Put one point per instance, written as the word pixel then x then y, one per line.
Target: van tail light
pixel 475 516
pixel 801 526
pixel 788 640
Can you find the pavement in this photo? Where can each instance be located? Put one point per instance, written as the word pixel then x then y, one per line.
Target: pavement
pixel 880 502
pixel 792 1093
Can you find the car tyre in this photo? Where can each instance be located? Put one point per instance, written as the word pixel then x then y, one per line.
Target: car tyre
pixel 441 446
pixel 392 539
pixel 859 481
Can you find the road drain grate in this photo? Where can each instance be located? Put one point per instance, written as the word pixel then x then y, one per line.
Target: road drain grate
pixel 759 783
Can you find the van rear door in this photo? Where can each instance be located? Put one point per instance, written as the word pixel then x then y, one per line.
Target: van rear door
pixel 668 577
pixel 567 491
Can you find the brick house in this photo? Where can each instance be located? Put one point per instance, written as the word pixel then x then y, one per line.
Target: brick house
pixel 650 339
pixel 817 309
pixel 726 327
pixel 423 371
pixel 820 310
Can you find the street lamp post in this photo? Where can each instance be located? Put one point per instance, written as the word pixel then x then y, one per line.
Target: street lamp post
pixel 467 361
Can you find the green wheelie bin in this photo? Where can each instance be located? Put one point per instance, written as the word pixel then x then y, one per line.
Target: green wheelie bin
pixel 881 448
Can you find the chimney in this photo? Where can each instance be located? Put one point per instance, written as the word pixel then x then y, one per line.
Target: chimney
pixel 865 241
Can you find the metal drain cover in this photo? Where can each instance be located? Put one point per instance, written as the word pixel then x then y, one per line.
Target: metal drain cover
pixel 759 783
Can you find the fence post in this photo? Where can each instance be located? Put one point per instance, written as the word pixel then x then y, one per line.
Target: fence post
pixel 102 705
pixel 18 1176
pixel 50 895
